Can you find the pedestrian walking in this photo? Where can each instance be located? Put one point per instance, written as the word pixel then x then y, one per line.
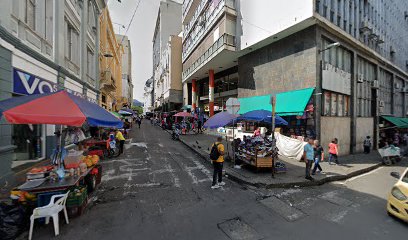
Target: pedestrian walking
pixel 139 121
pixel 308 156
pixel 217 157
pixel 121 139
pixel 318 157
pixel 199 126
pixel 367 145
pixel 333 151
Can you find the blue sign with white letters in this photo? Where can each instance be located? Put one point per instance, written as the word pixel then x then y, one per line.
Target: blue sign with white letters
pixel 28 84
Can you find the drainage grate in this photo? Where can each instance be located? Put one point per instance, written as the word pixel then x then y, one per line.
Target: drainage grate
pixel 236 229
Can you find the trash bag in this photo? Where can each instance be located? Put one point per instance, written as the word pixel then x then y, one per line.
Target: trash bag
pixel 12 221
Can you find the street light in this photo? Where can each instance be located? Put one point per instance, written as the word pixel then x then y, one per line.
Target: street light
pixel 332 45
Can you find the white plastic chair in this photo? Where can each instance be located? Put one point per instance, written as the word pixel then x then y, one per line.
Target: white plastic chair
pixel 51 210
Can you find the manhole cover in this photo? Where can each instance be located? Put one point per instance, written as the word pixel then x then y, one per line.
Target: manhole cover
pixel 236 229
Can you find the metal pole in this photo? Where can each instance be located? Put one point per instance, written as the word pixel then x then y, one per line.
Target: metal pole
pixel 233 142
pixel 273 136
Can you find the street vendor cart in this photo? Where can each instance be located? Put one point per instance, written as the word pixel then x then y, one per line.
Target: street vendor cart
pixel 71 172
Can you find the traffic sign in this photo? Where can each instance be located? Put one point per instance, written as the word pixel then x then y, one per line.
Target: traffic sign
pixel 233 105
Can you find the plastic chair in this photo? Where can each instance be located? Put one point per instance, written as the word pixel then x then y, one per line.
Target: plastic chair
pixel 51 210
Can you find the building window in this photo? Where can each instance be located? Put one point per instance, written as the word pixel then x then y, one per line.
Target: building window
pixel 30 14
pixel 49 5
pixel 91 16
pixel 90 63
pixel 366 73
pixel 72 43
pixel 336 105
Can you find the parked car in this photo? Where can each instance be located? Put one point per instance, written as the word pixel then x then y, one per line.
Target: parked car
pixel 397 204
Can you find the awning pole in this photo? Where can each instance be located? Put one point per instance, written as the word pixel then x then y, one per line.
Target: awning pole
pixel 273 100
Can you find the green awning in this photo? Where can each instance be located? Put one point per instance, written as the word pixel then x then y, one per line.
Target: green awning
pixel 255 103
pixel 397 121
pixel 293 102
pixel 287 103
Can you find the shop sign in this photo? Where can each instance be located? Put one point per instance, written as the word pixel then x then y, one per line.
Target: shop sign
pixel 28 84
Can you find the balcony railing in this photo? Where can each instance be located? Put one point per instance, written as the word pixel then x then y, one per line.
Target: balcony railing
pixel 186 6
pixel 225 39
pixel 195 17
pixel 107 81
pixel 193 40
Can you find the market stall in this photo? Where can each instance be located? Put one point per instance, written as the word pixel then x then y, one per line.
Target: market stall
pixel 257 149
pixel 67 170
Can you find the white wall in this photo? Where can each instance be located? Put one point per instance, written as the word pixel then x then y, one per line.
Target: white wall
pixel 73 85
pixel 260 19
pixel 28 64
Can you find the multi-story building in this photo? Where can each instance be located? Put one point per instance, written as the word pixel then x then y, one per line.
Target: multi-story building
pixel 167 24
pixel 45 46
pixel 110 65
pixel 127 85
pixel 148 96
pixel 167 77
pixel 279 47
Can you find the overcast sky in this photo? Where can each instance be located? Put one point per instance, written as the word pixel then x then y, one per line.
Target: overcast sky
pixel 140 36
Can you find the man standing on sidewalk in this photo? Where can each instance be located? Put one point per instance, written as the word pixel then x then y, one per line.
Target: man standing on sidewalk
pixel 217 157
pixel 308 156
pixel 367 145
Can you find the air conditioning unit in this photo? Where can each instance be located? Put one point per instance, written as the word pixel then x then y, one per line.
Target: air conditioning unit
pixel 376 84
pixel 381 103
pixel 404 90
pixel 397 86
pixel 360 78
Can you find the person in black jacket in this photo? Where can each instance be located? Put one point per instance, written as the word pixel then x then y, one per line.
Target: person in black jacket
pixel 318 156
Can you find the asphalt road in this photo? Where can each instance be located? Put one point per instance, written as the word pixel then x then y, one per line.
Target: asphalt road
pixel 159 189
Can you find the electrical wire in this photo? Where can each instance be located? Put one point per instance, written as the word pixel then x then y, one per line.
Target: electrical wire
pixel 127 29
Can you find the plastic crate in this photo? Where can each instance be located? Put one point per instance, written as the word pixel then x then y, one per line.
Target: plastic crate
pixel 76 211
pixel 74 200
pixel 44 199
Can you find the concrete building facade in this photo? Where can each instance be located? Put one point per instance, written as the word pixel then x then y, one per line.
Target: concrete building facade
pixel 127 85
pixel 110 65
pixel 148 97
pixel 45 46
pixel 167 24
pixel 167 77
pixel 285 46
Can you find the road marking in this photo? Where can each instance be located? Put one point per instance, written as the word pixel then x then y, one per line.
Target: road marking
pixel 289 213
pixel 139 144
pixel 198 166
pixel 236 229
pixel 359 176
pixel 333 198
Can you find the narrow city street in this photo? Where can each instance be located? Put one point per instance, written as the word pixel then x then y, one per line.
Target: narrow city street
pixel 159 189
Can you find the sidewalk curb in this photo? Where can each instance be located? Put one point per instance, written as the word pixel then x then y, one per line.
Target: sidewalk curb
pixel 239 180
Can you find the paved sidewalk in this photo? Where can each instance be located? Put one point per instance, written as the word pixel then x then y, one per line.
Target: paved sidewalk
pixel 350 166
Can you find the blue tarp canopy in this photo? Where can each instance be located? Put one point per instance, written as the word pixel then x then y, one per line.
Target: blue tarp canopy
pixel 262 116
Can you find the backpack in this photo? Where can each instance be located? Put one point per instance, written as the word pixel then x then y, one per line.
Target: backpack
pixel 214 154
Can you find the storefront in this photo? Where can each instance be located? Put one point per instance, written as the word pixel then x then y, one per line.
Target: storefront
pixel 26 76
pixel 225 87
pixel 296 107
